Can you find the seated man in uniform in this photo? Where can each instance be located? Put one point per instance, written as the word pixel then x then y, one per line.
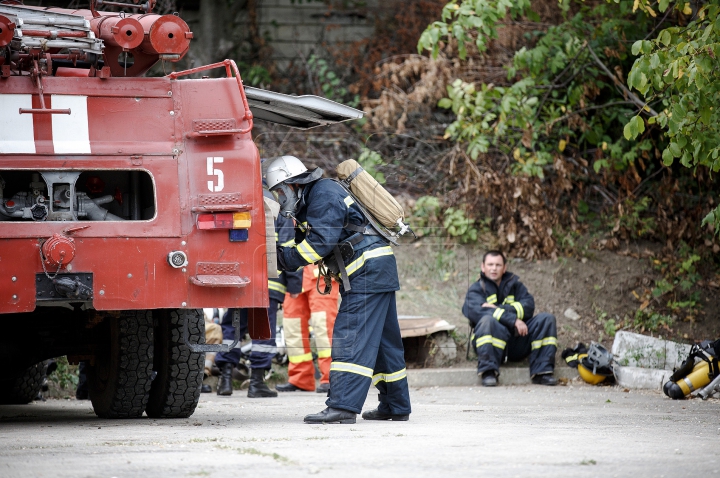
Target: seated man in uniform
pixel 500 310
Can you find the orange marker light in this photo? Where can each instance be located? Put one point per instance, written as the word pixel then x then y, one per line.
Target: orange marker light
pixel 241 220
pixel 225 220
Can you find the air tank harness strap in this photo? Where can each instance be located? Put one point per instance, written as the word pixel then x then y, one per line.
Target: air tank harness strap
pixel 363 228
pixel 354 174
pixel 333 266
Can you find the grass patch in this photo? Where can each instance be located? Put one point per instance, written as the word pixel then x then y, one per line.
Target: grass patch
pixel 254 451
pixel 275 456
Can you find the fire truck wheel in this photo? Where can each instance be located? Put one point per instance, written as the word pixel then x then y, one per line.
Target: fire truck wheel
pixel 175 390
pixel 24 388
pixel 120 379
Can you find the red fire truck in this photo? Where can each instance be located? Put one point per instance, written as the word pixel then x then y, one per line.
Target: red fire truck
pixel 127 203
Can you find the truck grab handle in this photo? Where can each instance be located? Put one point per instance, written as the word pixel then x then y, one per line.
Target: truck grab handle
pixel 230 67
pixel 44 111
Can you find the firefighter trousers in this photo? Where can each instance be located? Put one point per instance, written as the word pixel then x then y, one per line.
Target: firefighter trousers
pixel 367 349
pixel 493 342
pixel 262 351
pixel 309 309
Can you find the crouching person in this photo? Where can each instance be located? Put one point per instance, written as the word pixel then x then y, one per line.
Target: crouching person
pixel 500 310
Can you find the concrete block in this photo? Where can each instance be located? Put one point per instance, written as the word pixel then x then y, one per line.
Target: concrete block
pixel 299 34
pixel 636 350
pixel 370 5
pixel 675 353
pixel 348 33
pixel 646 378
pixel 468 377
pixel 297 15
pixel 292 51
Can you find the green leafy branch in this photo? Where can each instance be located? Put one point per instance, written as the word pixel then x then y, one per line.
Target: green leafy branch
pixel 559 96
pixel 679 70
pixel 471 21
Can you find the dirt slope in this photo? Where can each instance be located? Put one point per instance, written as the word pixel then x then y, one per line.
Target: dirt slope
pixel 434 280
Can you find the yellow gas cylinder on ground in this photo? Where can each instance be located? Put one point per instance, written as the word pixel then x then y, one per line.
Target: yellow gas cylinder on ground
pixel 696 379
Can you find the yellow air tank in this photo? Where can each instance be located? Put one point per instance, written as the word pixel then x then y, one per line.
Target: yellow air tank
pixel 696 379
pixel 373 196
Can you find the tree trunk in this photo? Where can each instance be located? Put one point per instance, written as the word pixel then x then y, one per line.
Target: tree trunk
pixel 216 37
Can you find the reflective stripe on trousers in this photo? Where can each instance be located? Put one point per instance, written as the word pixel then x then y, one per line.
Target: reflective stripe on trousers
pixel 261 351
pixel 389 377
pixel 367 349
pixel 495 342
pixel 310 308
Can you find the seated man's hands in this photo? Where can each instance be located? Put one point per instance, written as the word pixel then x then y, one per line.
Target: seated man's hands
pixel 521 328
pixel 488 304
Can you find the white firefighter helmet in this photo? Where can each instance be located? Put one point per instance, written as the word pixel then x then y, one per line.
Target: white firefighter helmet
pixel 282 169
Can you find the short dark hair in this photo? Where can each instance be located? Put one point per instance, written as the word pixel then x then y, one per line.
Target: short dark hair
pixel 494 253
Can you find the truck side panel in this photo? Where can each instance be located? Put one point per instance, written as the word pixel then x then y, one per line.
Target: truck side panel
pixel 148 126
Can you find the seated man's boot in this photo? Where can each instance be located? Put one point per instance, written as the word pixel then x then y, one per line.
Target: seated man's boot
pixel 224 387
pixel 489 378
pixel 544 379
pixel 332 415
pixel 258 387
pixel 378 415
pixel 323 388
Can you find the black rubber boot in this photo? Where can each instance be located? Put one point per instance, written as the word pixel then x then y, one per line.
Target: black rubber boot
pixel 332 415
pixel 225 383
pixel 82 392
pixel 258 387
pixel 378 415
pixel 289 387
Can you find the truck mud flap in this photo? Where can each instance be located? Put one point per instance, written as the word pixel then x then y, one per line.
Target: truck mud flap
pixel 258 329
pixel 213 347
pixel 259 324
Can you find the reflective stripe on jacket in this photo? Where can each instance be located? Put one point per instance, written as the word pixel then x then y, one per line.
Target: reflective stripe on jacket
pixel 512 299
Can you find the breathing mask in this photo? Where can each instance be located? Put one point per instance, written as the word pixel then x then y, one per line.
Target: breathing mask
pixel 288 199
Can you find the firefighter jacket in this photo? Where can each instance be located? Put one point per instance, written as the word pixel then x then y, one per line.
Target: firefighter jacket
pixel 512 299
pixel 325 209
pixel 290 282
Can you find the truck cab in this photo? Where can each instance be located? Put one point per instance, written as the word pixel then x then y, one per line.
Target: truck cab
pixel 128 204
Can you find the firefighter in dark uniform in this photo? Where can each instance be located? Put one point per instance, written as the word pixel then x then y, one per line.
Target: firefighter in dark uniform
pixel 366 346
pixel 262 351
pixel 500 310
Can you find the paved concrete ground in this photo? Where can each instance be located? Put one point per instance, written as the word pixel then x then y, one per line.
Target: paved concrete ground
pixel 574 430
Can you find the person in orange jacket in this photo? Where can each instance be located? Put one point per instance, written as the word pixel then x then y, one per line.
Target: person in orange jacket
pixel 300 311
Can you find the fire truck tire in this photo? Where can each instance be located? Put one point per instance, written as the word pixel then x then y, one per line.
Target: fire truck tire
pixel 175 391
pixel 25 388
pixel 119 380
